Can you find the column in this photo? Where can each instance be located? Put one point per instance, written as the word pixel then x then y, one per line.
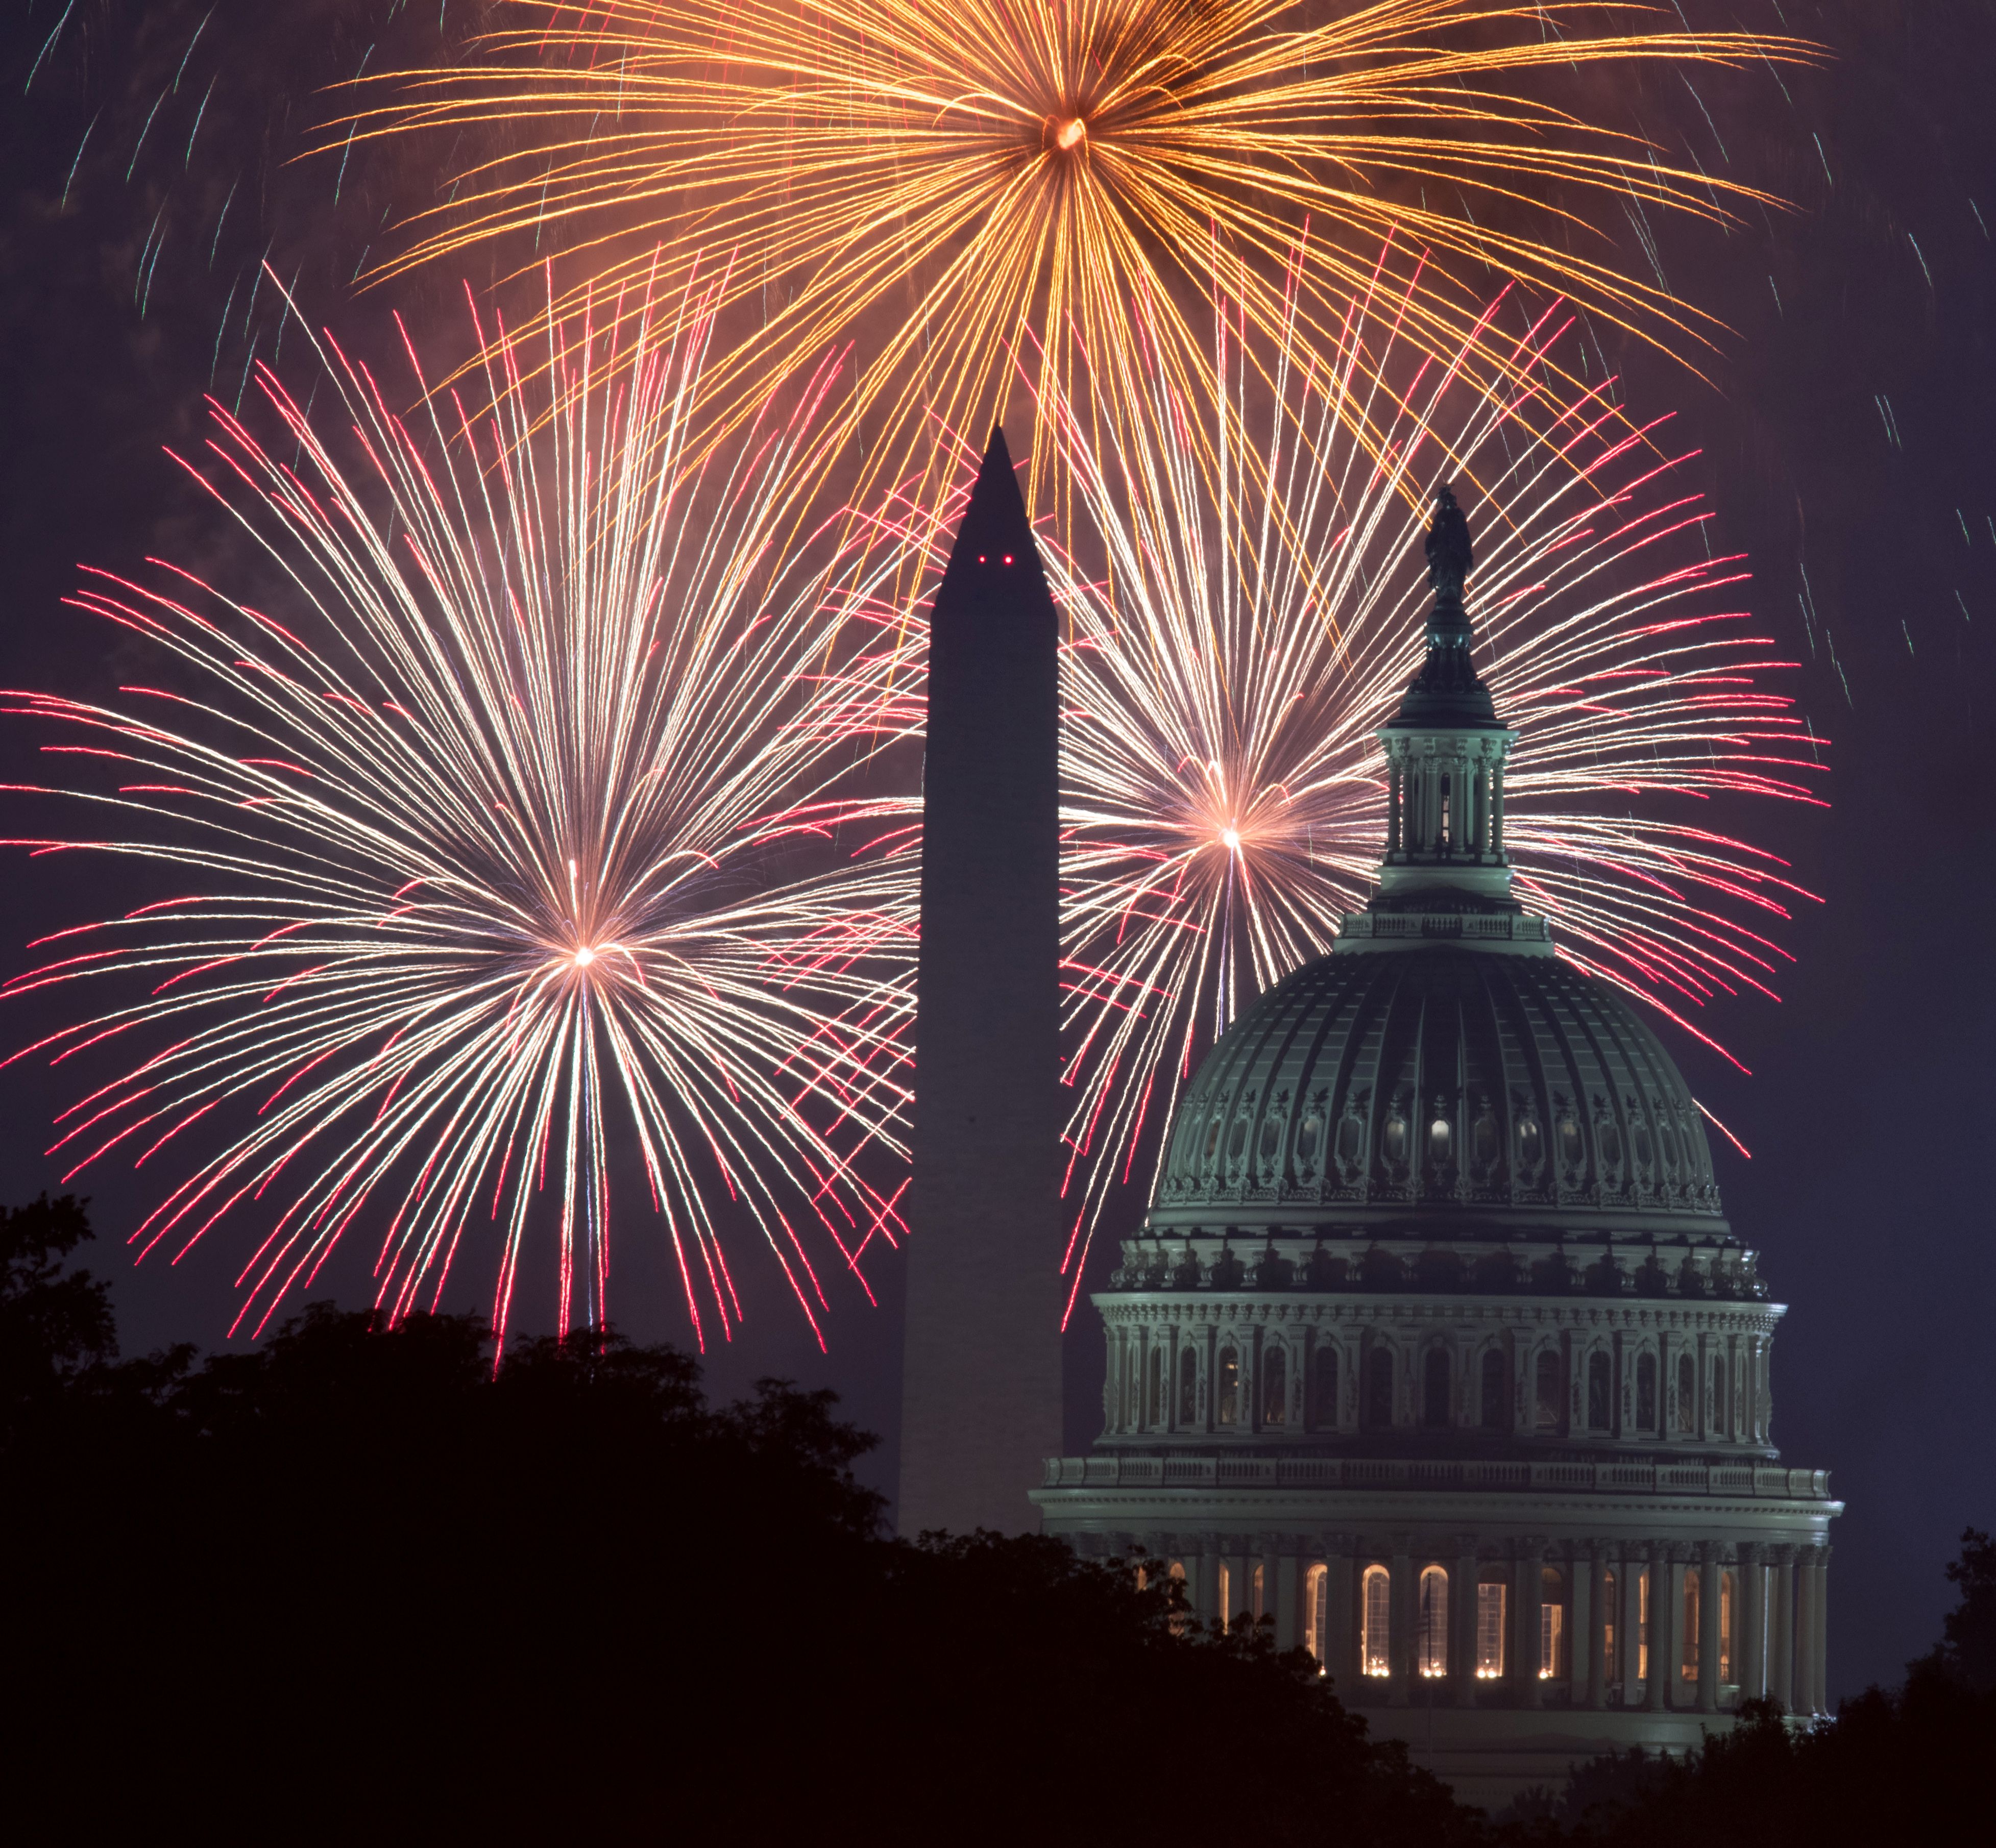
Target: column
pixel 1582 1582
pixel 1462 1619
pixel 1663 1576
pixel 1206 1591
pixel 1497 807
pixel 1597 1626
pixel 1635 1575
pixel 1341 1633
pixel 1531 1562
pixel 1819 1646
pixel 1781 1672
pixel 1401 1643
pixel 1709 1570
pixel 1680 1557
pixel 1808 1581
pixel 1287 1571
pixel 1396 787
pixel 1754 1615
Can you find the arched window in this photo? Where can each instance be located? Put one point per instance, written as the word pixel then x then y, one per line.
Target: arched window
pixel 1571 1147
pixel 1316 1611
pixel 1491 1600
pixel 1552 1624
pixel 1375 1622
pixel 1379 1388
pixel 1395 1140
pixel 1687 1658
pixel 1274 1384
pixel 1529 1149
pixel 1189 1388
pixel 1643 1582
pixel 1719 1425
pixel 1686 1395
pixel 1230 1386
pixel 1307 1138
pixel 1600 1396
pixel 1546 1393
pixel 1432 1645
pixel 1728 1604
pixel 1646 1393
pixel 1226 1597
pixel 1153 1398
pixel 1434 1389
pixel 1611 1609
pixel 1440 1140
pixel 1496 1391
pixel 1325 1415
pixel 1350 1133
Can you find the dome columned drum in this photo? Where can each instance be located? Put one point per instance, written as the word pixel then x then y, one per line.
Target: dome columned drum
pixel 1436 1352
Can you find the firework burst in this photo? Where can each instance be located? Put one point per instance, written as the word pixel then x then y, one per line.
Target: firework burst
pixel 479 823
pixel 937 173
pixel 1262 612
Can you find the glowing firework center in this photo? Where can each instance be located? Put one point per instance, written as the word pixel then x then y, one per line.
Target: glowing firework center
pixel 1436 1348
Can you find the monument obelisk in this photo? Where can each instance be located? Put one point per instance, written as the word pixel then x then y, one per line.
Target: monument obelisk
pixel 980 1381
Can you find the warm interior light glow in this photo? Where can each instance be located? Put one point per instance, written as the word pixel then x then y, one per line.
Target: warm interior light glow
pixel 1070 134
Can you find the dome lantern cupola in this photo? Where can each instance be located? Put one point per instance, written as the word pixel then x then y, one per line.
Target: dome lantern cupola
pixel 1445 872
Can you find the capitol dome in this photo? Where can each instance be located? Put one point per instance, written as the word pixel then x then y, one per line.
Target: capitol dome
pixel 1508 1094
pixel 1435 1352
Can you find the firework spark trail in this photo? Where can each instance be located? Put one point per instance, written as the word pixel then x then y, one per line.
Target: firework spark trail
pixel 1222 801
pixel 939 173
pixel 483 827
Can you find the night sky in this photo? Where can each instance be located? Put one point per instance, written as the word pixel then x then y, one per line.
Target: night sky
pixel 1844 425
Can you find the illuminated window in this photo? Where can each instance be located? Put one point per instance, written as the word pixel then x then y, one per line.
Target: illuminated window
pixel 1433 1640
pixel 1375 1631
pixel 1686 1395
pixel 1316 1611
pixel 1435 1389
pixel 1258 1602
pixel 1552 1624
pixel 1229 1386
pixel 1687 1658
pixel 1155 1399
pixel 1327 1386
pixel 1643 1625
pixel 1727 1606
pixel 1379 1388
pixel 1274 1386
pixel 1307 1138
pixel 1646 1393
pixel 1528 1146
pixel 1440 1138
pixel 1491 1601
pixel 1225 1596
pixel 1188 1388
pixel 1611 1671
pixel 1600 1393
pixel 1571 1147
pixel 1496 1391
pixel 1545 1396
pixel 1395 1139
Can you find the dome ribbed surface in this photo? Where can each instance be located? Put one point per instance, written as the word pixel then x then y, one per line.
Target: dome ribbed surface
pixel 1437 1093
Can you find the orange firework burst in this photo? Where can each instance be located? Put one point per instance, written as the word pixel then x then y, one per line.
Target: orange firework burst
pixel 933 175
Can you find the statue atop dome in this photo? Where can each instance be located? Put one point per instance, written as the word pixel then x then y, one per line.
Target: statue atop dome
pixel 1451 559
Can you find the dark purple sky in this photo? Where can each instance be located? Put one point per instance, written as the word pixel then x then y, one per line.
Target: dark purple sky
pixel 1845 436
